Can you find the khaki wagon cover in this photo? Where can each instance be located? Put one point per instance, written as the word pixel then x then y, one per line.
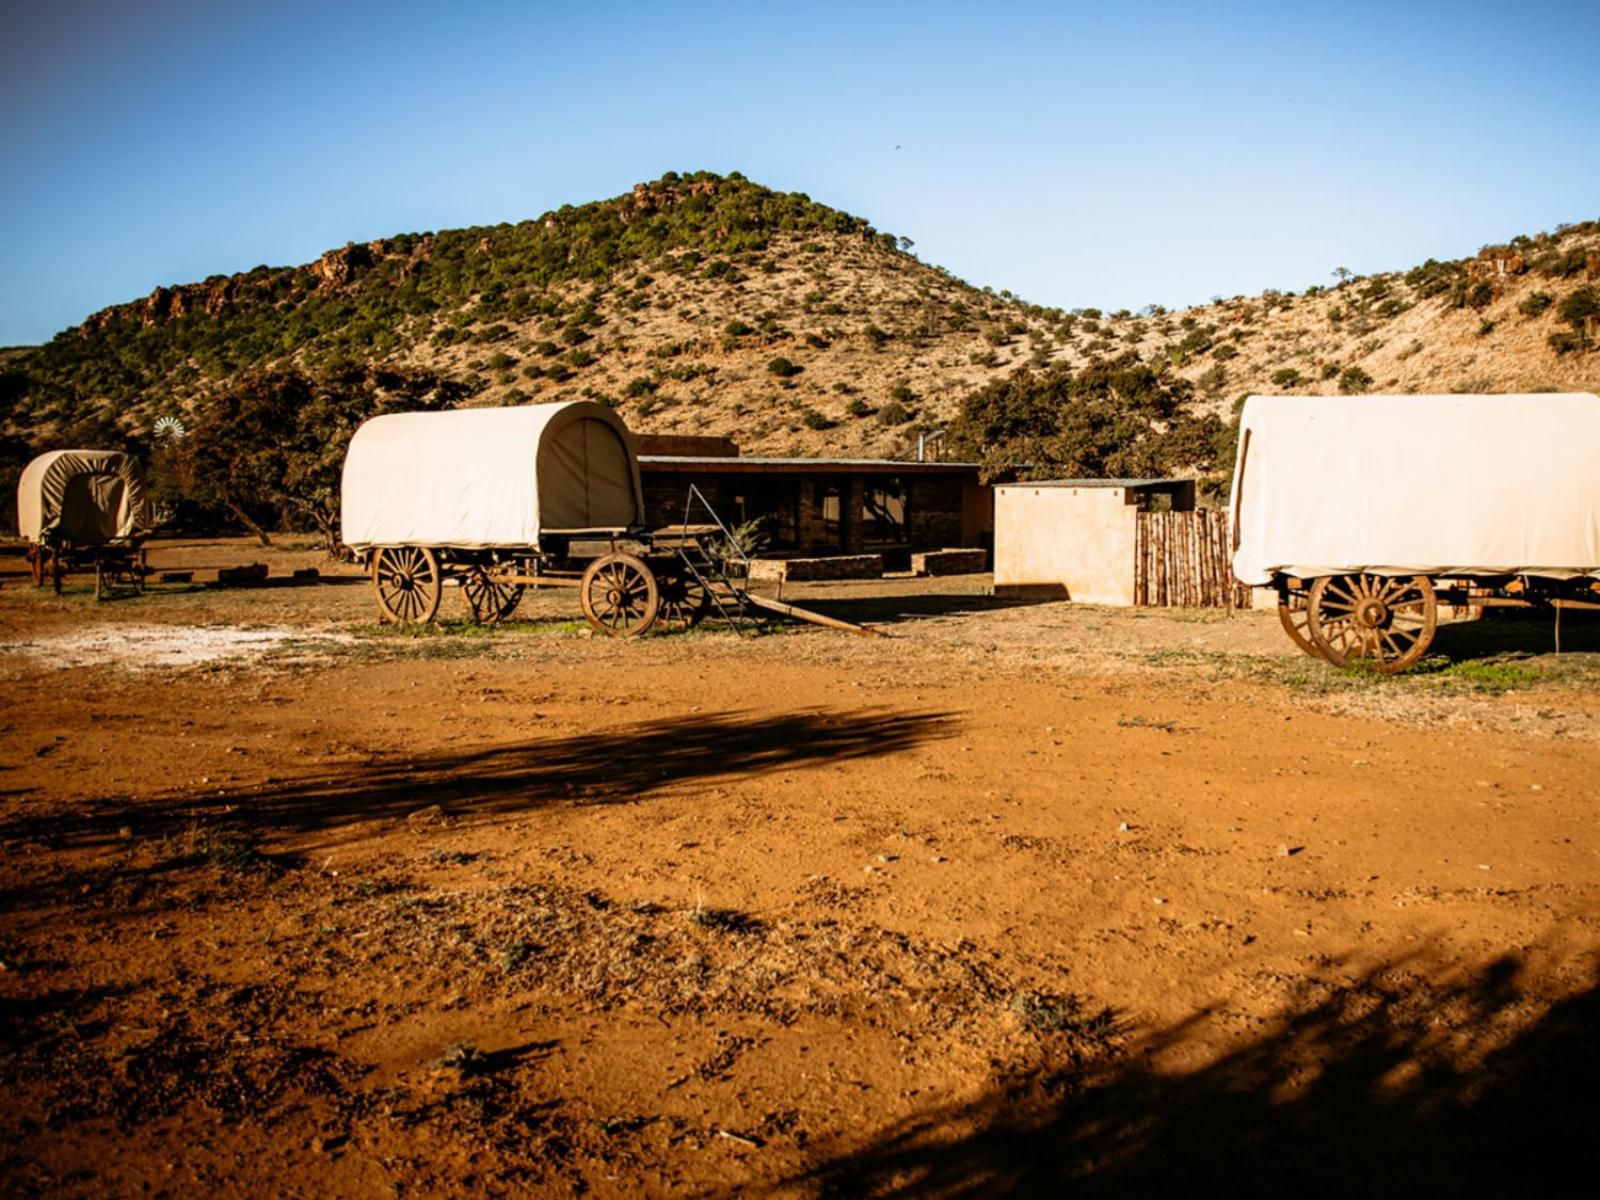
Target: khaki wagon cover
pixel 85 496
pixel 1417 484
pixel 480 477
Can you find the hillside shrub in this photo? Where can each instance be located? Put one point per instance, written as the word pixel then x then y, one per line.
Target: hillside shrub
pixel 1564 341
pixel 812 419
pixel 737 328
pixel 893 413
pixel 1535 304
pixel 1353 380
pixel 1480 294
pixel 1286 377
pixel 782 368
pixel 858 408
pixel 1576 307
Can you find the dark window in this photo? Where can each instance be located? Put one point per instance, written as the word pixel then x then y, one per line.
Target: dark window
pixel 883 511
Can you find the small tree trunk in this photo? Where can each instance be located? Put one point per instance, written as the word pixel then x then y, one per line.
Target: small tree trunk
pixel 244 519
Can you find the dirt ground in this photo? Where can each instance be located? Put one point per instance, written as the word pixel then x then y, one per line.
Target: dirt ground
pixel 1020 900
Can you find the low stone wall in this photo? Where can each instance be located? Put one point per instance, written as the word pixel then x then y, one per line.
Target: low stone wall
pixel 796 570
pixel 950 562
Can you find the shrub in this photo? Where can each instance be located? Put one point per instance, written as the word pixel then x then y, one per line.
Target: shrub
pixel 1485 327
pixel 815 420
pixel 817 341
pixel 1564 342
pixel 1578 306
pixel 782 368
pixel 1286 377
pixel 1535 304
pixel 902 393
pixel 736 328
pixel 1480 294
pixel 501 361
pixel 1329 370
pixel 579 358
pixel 876 336
pixel 546 349
pixel 1353 380
pixel 1225 352
pixel 858 408
pixel 639 385
pixel 893 413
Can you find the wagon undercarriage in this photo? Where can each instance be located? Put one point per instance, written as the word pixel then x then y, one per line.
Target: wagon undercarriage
pixel 628 584
pixel 1386 623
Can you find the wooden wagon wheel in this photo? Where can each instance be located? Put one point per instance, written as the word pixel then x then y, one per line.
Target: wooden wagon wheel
pixel 1385 623
pixel 619 595
pixel 489 601
pixel 407 583
pixel 1295 617
pixel 684 599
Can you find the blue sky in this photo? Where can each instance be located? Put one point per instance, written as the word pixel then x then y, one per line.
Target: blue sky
pixel 1102 154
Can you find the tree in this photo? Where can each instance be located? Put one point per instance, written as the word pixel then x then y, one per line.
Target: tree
pixel 272 445
pixel 1343 274
pixel 1114 418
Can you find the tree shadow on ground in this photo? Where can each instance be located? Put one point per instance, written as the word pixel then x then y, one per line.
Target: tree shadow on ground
pixel 510 779
pixel 1394 1084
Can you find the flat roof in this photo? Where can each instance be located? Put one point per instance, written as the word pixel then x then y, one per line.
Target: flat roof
pixel 1131 484
pixel 796 466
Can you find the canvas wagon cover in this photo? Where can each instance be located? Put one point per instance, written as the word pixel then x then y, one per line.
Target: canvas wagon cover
pixel 85 496
pixel 477 477
pixel 1427 484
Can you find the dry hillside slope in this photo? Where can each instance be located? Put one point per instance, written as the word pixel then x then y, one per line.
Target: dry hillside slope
pixel 703 304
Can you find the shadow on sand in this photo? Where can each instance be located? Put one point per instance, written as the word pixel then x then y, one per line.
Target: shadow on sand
pixel 603 767
pixel 1394 1084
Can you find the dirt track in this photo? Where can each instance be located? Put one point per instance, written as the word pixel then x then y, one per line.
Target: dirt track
pixel 1019 896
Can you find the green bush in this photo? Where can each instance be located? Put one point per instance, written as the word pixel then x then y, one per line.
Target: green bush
pixel 1564 342
pixel 1480 294
pixel 1485 327
pixel 1286 377
pixel 1330 370
pixel 902 393
pixel 501 361
pixel 1535 304
pixel 639 385
pixel 1353 380
pixel 782 368
pixel 736 329
pixel 1578 306
pixel 815 420
pixel 858 408
pixel 893 413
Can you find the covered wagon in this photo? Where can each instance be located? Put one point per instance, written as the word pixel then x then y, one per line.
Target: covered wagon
pixel 1367 513
pixel 501 499
pixel 81 508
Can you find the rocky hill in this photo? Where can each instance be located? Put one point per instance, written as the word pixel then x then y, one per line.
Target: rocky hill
pixel 702 304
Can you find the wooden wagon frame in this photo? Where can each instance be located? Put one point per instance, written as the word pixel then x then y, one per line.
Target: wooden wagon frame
pixel 1486 480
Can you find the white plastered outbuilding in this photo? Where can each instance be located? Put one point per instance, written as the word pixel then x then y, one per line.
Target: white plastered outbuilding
pixel 1430 485
pixel 489 477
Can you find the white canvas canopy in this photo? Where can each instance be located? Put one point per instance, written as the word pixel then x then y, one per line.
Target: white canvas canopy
pixel 86 496
pixel 1434 485
pixel 480 477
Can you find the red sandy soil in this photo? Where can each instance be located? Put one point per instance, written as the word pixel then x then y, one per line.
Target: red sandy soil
pixel 1019 900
